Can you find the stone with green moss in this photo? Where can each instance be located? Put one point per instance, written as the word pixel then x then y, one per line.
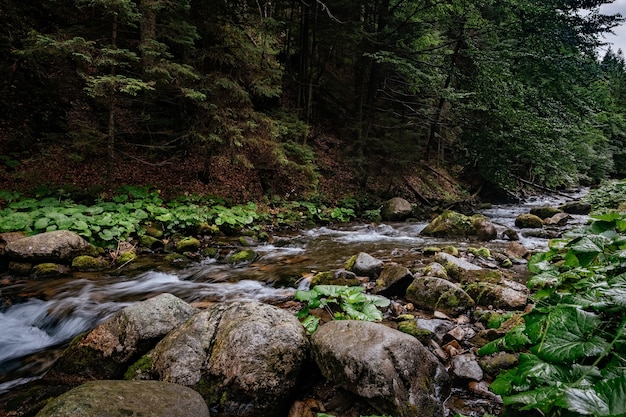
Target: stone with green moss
pixel 437 294
pixel 154 230
pixel 431 250
pixel 449 223
pixel 187 244
pixel 506 263
pixel 350 263
pixel 208 229
pixel 47 270
pixel 150 242
pixel 545 212
pixel 339 277
pixel 209 252
pixel 89 263
pixel 452 250
pixel 140 370
pixel 411 327
pixel 482 252
pixel 246 255
pixel 177 260
pixel 20 268
pixel 528 221
pixel 125 257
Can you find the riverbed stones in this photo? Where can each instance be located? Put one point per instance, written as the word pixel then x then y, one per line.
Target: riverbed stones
pixel 506 295
pixel 545 212
pixel 106 351
pixel 453 224
pixel 528 221
pixel 57 246
pixel 437 294
pixel 466 366
pixel 127 398
pixel 396 209
pixel 393 371
pixel 394 279
pixel 456 268
pixel 367 266
pixel 243 357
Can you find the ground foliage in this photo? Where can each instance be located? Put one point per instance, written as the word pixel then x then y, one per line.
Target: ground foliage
pixel 572 344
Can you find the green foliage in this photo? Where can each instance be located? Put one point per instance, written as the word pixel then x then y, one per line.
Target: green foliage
pixel 608 196
pixel 342 302
pixel 573 342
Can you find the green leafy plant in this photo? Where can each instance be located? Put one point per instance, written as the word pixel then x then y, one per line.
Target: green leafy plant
pixel 573 343
pixel 342 302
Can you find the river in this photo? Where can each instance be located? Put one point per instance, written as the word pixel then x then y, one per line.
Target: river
pixel 45 315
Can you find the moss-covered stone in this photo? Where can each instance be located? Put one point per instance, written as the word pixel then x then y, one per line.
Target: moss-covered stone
pixel 452 250
pixel 431 250
pixel 20 268
pixel 187 244
pixel 140 370
pixel 335 278
pixel 150 242
pixel 89 263
pixel 545 212
pixel 411 327
pixel 47 270
pixel 125 257
pixel 208 229
pixel 482 252
pixel 154 230
pixel 210 252
pixel 528 221
pixel 506 263
pixel 448 223
pixel 350 263
pixel 492 276
pixel 246 255
pixel 177 260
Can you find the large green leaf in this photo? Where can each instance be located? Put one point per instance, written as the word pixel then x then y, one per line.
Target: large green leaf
pixel 570 335
pixel 606 398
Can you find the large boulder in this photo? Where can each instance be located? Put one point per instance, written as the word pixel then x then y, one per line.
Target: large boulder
pixel 392 370
pixel 453 224
pixel 438 294
pixel 58 246
pixel 243 357
pixel 108 350
pixel 528 221
pixel 396 209
pixel 456 268
pixel 127 398
pixel 366 265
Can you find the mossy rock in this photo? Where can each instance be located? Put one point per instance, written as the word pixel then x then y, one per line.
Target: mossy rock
pixel 528 221
pixel 431 250
pixel 482 252
pixel 432 294
pixel 47 270
pixel 154 230
pixel 246 255
pixel 208 229
pixel 449 223
pixel 492 276
pixel 545 212
pixel 20 268
pixel 452 250
pixel 188 244
pixel 340 277
pixel 150 242
pixel 411 327
pixel 89 263
pixel 210 252
pixel 140 370
pixel 434 269
pixel 350 263
pixel 125 257
pixel 177 260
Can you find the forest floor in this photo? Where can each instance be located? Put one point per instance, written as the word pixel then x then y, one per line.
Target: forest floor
pixel 64 171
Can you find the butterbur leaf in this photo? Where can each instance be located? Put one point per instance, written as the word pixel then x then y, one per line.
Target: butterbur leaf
pixel 311 323
pixel 605 398
pixel 536 398
pixel 570 336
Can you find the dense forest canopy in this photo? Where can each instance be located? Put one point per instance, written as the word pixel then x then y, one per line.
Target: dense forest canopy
pixel 495 89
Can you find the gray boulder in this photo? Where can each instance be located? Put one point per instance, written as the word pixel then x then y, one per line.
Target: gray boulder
pixel 367 266
pixel 243 357
pixel 58 246
pixel 437 294
pixel 396 209
pixel 456 268
pixel 528 221
pixel 393 371
pixel 127 398
pixel 106 351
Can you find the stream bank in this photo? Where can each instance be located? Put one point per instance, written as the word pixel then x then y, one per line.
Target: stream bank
pixel 50 312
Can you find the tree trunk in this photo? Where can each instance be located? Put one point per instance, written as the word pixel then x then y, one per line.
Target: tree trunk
pixel 112 111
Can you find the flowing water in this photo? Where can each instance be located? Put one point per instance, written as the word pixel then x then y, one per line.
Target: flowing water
pixel 45 315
